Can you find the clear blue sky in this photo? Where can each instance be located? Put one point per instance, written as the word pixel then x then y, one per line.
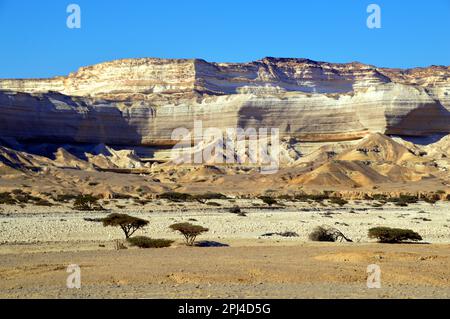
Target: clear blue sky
pixel 35 41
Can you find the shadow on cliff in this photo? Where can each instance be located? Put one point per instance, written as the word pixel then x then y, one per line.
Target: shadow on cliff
pixel 423 126
pixel 42 123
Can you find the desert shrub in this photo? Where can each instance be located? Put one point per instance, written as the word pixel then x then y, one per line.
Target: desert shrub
pixel 189 231
pixel 432 199
pixel 146 242
pixel 87 203
pixel 43 202
pixel 25 198
pixel 7 199
pixel 93 220
pixel 122 196
pixel 339 201
pixel 314 197
pixel 127 223
pixel 393 235
pixel 268 200
pixel 142 202
pixel 327 234
pixel 235 210
pixel 285 197
pixel 379 197
pixel 213 204
pixel 403 200
pixel 207 196
pixel 282 234
pixel 64 198
pixel 176 197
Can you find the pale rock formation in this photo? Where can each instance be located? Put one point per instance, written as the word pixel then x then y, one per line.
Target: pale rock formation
pixel 141 101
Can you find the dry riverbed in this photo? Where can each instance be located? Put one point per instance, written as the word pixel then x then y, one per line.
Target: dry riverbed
pixel 38 243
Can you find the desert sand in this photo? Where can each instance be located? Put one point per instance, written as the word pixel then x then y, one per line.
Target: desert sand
pixel 38 244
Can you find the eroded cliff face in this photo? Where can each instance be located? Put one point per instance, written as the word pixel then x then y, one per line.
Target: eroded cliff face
pixel 141 101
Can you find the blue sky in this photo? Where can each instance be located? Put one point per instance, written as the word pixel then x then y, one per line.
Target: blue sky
pixel 35 41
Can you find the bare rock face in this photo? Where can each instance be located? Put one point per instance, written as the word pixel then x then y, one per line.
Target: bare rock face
pixel 141 101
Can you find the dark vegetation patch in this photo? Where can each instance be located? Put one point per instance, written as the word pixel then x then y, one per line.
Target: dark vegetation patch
pixel 393 235
pixel 327 234
pixel 189 231
pixel 146 242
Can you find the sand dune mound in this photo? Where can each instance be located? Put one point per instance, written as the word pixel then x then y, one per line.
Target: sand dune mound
pixel 378 148
pixel 342 173
pixel 376 159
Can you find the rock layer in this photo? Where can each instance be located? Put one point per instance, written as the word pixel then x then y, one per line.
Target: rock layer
pixel 141 101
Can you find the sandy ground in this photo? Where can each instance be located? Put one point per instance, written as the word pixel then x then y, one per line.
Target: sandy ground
pixel 37 245
pixel 301 271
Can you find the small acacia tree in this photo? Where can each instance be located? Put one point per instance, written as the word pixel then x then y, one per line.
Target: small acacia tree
pixel 87 203
pixel 189 231
pixel 127 223
pixel 393 235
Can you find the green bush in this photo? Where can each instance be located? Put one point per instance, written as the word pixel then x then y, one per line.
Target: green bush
pixel 379 197
pixel 207 196
pixel 122 196
pixel 127 223
pixel 146 242
pixel 268 200
pixel 393 235
pixel 432 199
pixel 64 198
pixel 338 201
pixel 213 204
pixel 176 197
pixel 403 200
pixel 235 210
pixel 7 199
pixel 189 231
pixel 43 202
pixel 314 197
pixel 87 203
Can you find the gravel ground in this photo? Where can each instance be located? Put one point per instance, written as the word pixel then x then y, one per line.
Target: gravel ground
pixel 56 224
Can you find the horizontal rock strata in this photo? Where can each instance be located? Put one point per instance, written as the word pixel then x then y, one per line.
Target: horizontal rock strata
pixel 141 101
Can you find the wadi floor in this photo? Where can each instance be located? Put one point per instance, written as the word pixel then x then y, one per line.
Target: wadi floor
pixel 37 244
pixel 307 270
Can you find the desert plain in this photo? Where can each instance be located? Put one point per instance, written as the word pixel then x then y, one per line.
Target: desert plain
pixel 357 147
pixel 240 256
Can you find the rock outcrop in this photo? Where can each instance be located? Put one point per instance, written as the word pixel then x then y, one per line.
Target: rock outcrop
pixel 141 101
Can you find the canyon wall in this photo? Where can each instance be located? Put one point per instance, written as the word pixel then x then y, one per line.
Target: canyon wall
pixel 141 101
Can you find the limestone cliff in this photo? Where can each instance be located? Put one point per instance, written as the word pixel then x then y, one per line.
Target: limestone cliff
pixel 141 101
